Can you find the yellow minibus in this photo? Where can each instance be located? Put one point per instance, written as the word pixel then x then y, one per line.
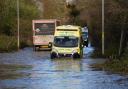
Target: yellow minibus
pixel 67 42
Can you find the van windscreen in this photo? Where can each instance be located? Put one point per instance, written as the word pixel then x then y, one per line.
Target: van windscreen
pixel 66 41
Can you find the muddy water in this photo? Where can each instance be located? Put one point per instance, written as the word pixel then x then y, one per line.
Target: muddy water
pixel 35 70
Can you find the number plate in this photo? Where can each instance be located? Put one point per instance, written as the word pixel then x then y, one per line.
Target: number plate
pixel 44 46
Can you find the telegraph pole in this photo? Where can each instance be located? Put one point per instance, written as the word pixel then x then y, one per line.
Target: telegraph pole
pixel 103 27
pixel 122 35
pixel 18 26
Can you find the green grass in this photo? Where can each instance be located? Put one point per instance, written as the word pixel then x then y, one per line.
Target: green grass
pixel 7 43
pixel 111 51
pixel 114 66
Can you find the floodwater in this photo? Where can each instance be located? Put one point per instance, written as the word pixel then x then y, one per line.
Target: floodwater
pixel 35 70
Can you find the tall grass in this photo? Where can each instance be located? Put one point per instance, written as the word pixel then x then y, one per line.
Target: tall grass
pixel 7 43
pixel 8 25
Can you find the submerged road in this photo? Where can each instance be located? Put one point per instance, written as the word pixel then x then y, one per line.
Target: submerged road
pixel 35 70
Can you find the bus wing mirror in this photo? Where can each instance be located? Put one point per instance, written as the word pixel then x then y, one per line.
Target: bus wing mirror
pixel 50 44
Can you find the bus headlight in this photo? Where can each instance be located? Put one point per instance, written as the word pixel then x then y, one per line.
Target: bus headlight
pixel 50 44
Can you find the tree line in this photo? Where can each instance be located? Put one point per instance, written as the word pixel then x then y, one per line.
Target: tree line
pixel 88 13
pixel 8 26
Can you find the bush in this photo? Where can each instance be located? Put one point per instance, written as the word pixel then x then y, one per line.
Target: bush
pixel 7 43
pixel 8 25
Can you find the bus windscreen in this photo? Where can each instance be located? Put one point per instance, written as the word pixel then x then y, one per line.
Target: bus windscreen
pixel 44 28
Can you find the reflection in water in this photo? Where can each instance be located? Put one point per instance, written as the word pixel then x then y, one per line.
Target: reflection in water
pixel 68 65
pixel 57 74
pixel 10 71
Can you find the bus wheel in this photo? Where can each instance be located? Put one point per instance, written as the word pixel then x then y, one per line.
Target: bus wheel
pixel 76 55
pixel 53 55
pixel 35 48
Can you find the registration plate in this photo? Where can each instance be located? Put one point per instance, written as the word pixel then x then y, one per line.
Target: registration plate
pixel 44 46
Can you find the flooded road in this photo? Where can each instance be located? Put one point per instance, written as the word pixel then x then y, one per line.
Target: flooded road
pixel 35 70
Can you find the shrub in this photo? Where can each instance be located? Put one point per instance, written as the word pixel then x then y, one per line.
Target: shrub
pixel 7 43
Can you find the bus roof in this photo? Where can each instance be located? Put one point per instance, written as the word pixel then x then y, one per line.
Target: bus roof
pixel 45 20
pixel 68 27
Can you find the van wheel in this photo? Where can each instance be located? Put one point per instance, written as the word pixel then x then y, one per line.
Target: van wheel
pixel 53 55
pixel 87 45
pixel 76 55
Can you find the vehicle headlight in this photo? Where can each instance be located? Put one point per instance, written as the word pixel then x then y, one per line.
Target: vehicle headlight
pixel 75 51
pixel 49 45
pixel 85 39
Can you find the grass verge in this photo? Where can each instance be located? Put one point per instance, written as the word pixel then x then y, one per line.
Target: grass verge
pixel 114 66
pixel 9 43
